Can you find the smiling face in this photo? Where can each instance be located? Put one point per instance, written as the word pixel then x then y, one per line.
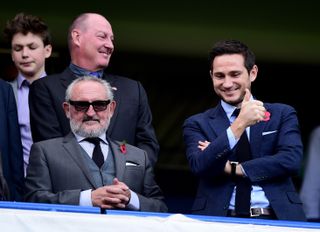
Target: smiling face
pixel 230 77
pixel 94 43
pixel 89 123
pixel 29 54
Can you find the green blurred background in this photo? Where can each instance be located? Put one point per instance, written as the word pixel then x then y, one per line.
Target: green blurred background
pixel 164 44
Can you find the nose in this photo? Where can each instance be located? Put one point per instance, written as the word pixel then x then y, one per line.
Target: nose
pixel 91 111
pixel 227 82
pixel 25 52
pixel 109 44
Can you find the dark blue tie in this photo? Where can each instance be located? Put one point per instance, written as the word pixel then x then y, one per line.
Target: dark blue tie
pixel 95 74
pixel 244 185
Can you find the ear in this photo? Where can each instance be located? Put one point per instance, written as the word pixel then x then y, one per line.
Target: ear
pixel 112 107
pixel 253 73
pixel 48 50
pixel 75 35
pixel 66 109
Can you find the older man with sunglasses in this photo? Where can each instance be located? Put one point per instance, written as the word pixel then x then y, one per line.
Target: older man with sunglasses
pixel 86 167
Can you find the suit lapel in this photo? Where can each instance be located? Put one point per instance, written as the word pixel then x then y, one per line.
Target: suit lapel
pixel 219 121
pixel 74 151
pixel 67 78
pixel 119 159
pixel 14 85
pixel 256 137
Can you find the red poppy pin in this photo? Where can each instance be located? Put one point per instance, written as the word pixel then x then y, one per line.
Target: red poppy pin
pixel 123 147
pixel 266 116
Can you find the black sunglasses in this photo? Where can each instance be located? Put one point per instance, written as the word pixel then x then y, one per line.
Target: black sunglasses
pixel 83 106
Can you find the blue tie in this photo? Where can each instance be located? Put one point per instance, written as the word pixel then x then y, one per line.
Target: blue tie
pixel 95 74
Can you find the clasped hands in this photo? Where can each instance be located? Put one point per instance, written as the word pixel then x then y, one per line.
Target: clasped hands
pixel 112 196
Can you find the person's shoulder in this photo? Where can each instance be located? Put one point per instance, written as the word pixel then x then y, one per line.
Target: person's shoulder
pixel 316 132
pixel 5 88
pixel 125 147
pixel 120 78
pixel 122 81
pixel 4 84
pixel 51 79
pixel 201 115
pixel 278 106
pixel 47 142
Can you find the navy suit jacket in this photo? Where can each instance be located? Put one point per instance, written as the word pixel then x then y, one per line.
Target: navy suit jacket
pixel 10 142
pixel 277 154
pixel 132 119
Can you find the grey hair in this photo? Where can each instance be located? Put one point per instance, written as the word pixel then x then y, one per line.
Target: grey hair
pixel 105 84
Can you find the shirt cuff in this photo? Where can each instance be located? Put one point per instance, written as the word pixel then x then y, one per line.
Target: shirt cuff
pixel 232 139
pixel 134 203
pixel 85 198
pixel 242 169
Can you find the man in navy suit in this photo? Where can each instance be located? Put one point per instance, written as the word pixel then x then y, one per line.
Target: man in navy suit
pixel 90 42
pixel 10 143
pixel 212 137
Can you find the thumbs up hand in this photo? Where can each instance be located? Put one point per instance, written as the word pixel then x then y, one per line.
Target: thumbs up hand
pixel 252 112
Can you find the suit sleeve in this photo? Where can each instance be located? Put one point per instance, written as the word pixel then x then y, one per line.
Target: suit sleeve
pixel 280 153
pixel 151 197
pixel 38 181
pixel 310 191
pixel 211 161
pixel 145 134
pixel 15 148
pixel 43 117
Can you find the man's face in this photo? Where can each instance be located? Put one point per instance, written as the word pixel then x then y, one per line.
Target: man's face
pixel 230 77
pixel 89 123
pixel 29 54
pixel 96 43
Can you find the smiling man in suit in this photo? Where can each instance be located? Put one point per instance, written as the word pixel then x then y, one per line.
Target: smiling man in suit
pixel 244 151
pixel 86 167
pixel 90 40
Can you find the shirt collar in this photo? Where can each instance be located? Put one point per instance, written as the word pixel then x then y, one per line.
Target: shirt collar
pixel 229 108
pixel 21 78
pixel 81 138
pixel 78 71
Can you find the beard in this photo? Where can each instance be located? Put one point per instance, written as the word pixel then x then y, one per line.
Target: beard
pixel 79 129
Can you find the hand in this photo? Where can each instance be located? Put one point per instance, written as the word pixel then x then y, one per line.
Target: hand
pixel 252 112
pixel 112 196
pixel 203 145
pixel 124 187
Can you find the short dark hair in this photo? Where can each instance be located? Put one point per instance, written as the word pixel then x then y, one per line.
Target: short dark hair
pixel 23 23
pixel 233 47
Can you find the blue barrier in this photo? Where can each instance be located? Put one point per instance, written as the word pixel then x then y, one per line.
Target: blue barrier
pixel 95 210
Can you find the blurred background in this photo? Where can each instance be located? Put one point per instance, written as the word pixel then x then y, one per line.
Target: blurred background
pixel 164 44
